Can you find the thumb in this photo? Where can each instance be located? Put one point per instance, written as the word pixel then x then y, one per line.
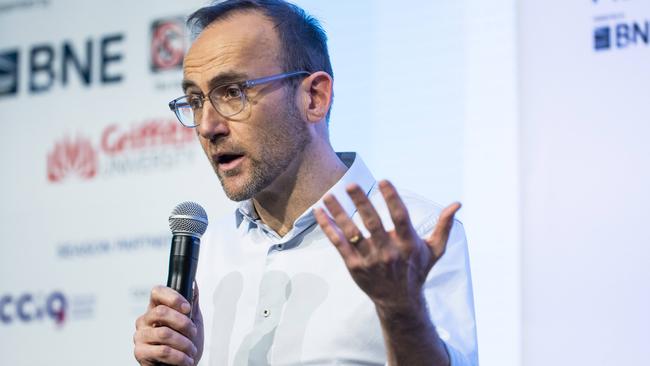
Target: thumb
pixel 196 309
pixel 438 239
pixel 197 319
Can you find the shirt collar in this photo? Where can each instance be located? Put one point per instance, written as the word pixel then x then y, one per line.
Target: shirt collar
pixel 357 173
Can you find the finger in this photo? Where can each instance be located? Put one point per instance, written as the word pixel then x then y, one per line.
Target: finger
pixel 343 222
pixel 347 250
pixel 438 239
pixel 140 323
pixel 163 295
pixel 165 316
pixel 166 336
pixel 398 212
pixel 369 215
pixel 148 354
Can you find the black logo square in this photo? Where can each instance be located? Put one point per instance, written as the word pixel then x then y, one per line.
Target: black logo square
pixel 9 73
pixel 602 38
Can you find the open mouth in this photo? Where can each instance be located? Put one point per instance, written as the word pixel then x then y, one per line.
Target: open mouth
pixel 229 161
pixel 227 158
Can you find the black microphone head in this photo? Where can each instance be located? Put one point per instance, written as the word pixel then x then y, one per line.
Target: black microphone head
pixel 188 218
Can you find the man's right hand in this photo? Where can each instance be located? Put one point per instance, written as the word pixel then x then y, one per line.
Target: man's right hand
pixel 165 333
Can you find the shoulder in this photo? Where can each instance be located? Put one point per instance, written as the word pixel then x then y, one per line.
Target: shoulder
pixel 221 225
pixel 221 229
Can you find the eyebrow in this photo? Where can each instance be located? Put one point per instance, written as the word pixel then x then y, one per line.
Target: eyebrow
pixel 223 78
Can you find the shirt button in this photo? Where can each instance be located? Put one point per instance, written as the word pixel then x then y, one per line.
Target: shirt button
pixel 266 313
pixel 280 246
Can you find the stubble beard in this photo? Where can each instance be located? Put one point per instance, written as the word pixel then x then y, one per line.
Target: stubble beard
pixel 281 146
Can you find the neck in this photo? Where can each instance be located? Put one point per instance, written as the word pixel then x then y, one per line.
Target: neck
pixel 303 184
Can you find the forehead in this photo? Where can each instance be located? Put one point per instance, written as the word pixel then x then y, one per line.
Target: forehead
pixel 244 43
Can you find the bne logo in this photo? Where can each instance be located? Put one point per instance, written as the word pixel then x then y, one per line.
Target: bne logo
pixel 622 35
pixel 92 62
pixel 27 308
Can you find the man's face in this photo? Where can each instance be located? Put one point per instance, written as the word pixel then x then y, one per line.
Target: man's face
pixel 253 149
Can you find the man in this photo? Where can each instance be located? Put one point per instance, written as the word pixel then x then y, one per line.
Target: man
pixel 322 265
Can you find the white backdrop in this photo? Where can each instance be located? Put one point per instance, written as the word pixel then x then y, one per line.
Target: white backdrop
pixel 585 168
pixel 93 161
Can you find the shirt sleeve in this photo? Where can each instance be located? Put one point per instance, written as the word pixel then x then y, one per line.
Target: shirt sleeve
pixel 449 296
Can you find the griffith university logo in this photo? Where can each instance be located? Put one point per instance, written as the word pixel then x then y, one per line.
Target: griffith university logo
pixel 72 156
pixel 157 144
pixel 168 43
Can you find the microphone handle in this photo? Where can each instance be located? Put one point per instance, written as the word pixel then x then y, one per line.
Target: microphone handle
pixel 183 259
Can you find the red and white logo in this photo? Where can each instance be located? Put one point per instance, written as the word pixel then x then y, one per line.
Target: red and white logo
pixel 168 43
pixel 154 144
pixel 76 157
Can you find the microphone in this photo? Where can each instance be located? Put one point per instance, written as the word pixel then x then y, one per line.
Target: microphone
pixel 187 222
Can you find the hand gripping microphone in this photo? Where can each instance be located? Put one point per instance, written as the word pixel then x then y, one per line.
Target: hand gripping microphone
pixel 188 222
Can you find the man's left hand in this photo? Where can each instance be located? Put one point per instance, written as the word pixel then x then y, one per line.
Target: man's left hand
pixel 389 266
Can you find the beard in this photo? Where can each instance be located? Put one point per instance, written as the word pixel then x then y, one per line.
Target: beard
pixel 279 146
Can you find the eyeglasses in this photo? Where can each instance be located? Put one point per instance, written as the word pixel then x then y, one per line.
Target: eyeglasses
pixel 227 99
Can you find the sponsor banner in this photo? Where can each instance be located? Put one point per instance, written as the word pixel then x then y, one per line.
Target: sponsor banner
pixel 93 162
pixel 584 150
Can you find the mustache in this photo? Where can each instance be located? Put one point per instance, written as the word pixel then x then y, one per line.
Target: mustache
pixel 224 147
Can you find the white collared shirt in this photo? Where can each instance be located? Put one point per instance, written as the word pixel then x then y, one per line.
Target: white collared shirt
pixel 271 300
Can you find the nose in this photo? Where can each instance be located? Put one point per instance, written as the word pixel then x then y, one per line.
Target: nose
pixel 211 124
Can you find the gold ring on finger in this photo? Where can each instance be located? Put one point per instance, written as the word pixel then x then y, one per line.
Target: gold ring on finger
pixel 355 239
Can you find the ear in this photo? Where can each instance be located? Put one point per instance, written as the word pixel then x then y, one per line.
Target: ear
pixel 316 92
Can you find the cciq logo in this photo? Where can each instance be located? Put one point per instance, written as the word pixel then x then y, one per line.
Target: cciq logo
pixel 29 307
